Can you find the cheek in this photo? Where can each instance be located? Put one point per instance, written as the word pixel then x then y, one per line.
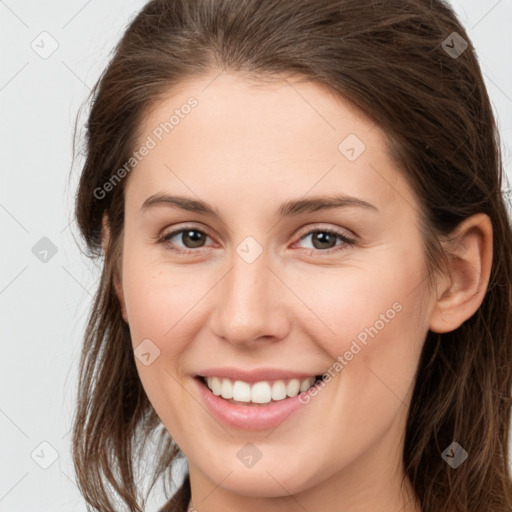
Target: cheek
pixel 365 304
pixel 377 323
pixel 159 301
pixel 379 327
pixel 160 308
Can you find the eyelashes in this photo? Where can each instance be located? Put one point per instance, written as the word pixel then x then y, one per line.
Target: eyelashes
pixel 187 231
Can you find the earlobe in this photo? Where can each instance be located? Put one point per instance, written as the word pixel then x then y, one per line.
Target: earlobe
pixel 462 290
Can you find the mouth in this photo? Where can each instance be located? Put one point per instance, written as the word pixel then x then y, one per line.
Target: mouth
pixel 261 393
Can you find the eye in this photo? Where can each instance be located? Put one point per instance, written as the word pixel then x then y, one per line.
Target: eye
pixel 324 240
pixel 190 237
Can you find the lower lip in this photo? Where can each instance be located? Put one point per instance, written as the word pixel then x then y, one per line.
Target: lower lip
pixel 249 417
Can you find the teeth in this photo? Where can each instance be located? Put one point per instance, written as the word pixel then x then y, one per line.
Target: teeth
pixel 216 386
pixel 241 391
pixel 306 384
pixel 278 390
pixel 293 387
pixel 226 389
pixel 259 392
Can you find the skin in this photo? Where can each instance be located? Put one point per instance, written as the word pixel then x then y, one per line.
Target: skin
pixel 246 149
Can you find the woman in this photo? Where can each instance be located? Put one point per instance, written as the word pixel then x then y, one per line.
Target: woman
pixel 307 276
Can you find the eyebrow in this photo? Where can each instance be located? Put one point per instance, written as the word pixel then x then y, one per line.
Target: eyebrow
pixel 290 208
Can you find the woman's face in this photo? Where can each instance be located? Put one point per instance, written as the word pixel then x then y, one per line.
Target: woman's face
pixel 312 265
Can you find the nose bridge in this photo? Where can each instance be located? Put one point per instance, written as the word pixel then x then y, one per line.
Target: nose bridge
pixel 247 306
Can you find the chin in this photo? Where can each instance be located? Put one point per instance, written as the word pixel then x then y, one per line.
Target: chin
pixel 276 477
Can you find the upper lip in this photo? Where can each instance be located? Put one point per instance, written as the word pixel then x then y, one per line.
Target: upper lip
pixel 255 375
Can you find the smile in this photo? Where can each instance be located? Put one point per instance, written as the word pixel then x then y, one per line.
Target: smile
pixel 249 415
pixel 262 392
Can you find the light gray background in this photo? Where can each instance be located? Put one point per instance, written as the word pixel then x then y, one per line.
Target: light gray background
pixel 43 305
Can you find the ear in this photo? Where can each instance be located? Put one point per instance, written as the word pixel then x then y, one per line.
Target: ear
pixel 462 288
pixel 105 242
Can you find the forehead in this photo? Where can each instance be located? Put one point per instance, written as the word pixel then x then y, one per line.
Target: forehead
pixel 224 136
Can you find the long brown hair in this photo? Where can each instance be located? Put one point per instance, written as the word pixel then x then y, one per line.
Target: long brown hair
pixel 395 61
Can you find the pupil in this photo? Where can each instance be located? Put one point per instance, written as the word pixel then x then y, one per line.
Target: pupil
pixel 196 240
pixel 323 238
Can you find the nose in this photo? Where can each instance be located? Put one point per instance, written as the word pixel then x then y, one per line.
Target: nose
pixel 250 304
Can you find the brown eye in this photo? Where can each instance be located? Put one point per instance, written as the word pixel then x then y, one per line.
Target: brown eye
pixel 325 240
pixel 190 238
